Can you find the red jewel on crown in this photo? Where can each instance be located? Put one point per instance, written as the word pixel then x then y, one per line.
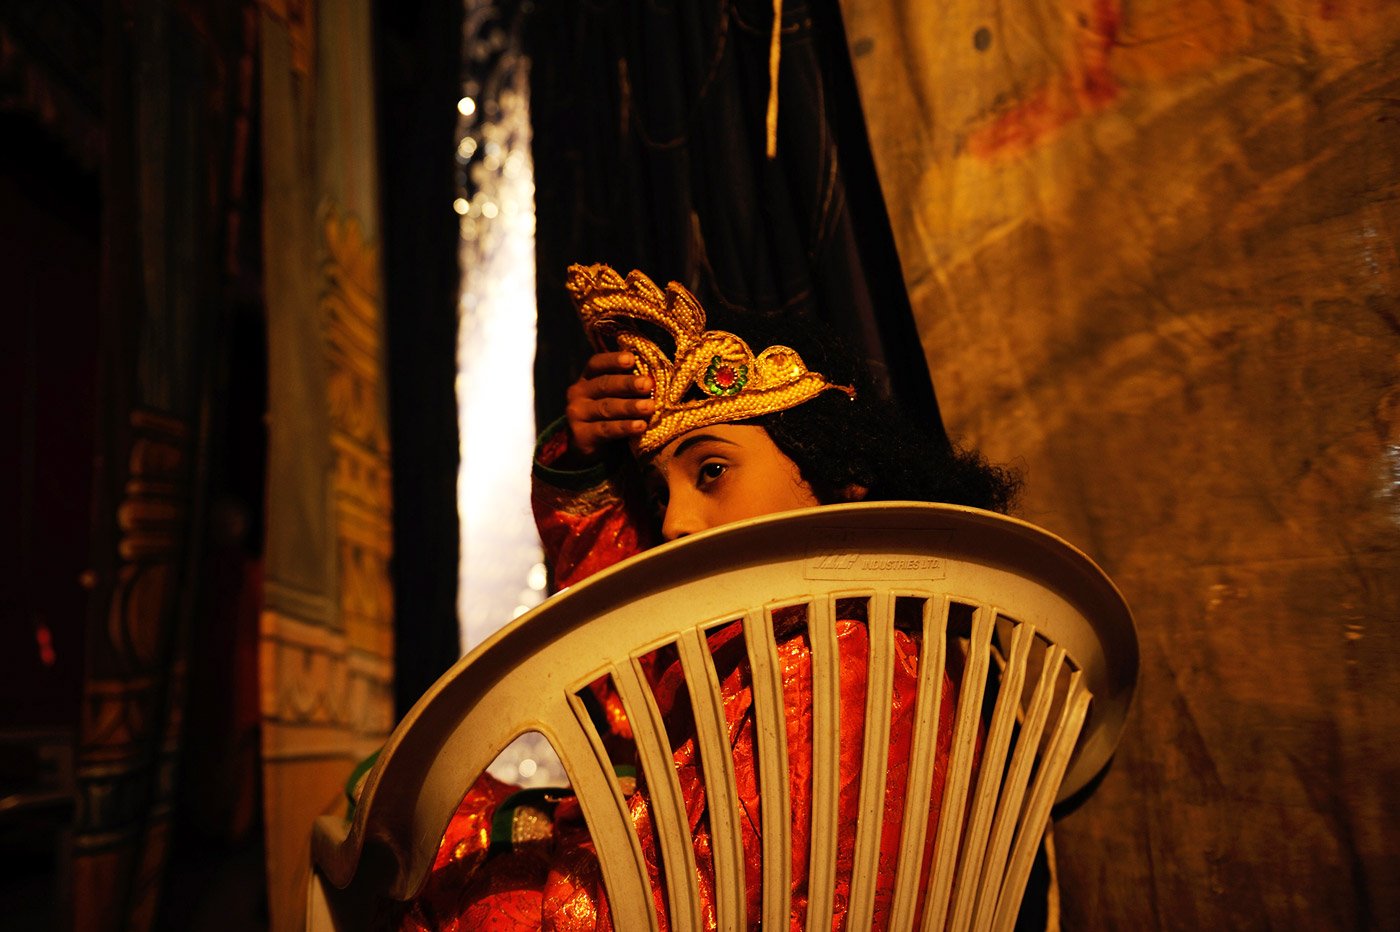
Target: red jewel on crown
pixel 724 378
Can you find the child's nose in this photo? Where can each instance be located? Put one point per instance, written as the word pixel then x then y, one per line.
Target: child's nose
pixel 682 518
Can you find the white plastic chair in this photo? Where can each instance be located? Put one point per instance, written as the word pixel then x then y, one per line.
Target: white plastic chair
pixel 1038 622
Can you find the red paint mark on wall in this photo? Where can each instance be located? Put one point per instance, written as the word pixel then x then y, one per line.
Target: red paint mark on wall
pixel 1087 86
pixel 47 656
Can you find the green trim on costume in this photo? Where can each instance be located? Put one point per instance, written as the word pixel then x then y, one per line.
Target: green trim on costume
pixel 352 785
pixel 573 480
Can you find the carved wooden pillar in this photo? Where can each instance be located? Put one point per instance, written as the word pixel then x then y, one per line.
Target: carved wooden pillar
pixel 326 653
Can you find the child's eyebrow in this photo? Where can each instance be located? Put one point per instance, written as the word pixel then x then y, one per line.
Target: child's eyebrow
pixel 689 442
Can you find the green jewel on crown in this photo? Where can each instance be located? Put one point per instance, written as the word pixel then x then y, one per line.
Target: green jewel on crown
pixel 725 378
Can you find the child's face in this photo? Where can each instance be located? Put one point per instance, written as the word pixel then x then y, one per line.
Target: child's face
pixel 728 472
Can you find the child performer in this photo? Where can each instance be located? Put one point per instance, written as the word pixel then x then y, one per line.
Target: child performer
pixel 718 433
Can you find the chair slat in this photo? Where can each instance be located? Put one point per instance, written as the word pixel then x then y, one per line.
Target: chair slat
pixel 1047 783
pixel 1017 782
pixel 721 790
pixel 989 777
pixel 922 758
pixel 969 719
pixel 663 792
pixel 875 755
pixel 594 781
pixel 826 761
pixel 770 746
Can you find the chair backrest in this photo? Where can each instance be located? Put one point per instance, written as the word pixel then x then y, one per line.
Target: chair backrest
pixel 1034 629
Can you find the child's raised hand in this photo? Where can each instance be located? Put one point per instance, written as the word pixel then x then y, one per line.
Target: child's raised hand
pixel 609 402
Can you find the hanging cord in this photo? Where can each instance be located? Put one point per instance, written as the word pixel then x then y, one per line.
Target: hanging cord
pixel 775 47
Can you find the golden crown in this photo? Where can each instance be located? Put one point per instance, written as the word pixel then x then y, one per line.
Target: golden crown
pixel 712 378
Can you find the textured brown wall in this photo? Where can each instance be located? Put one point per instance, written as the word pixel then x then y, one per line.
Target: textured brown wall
pixel 1152 248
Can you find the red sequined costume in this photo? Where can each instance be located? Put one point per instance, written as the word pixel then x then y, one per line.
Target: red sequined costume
pixel 544 873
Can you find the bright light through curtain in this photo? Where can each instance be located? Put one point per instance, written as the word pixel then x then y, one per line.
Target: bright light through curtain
pixel 501 571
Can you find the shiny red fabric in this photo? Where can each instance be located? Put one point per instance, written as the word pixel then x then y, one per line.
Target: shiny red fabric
pixel 585 530
pixel 556 883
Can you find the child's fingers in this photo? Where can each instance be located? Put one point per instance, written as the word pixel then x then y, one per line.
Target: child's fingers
pixel 611 408
pixel 622 408
pixel 607 363
pixel 615 430
pixel 609 402
pixel 616 386
pixel 588 437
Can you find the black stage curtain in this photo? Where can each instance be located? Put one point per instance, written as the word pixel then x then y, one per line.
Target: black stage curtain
pixel 649 150
pixel 419 78
pixel 649 153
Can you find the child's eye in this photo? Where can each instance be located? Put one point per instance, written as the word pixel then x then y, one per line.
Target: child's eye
pixel 711 471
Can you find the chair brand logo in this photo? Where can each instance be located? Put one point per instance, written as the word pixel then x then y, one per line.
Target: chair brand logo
pixel 862 555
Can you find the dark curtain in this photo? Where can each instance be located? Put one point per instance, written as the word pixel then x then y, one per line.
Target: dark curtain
pixel 176 86
pixel 418 75
pixel 649 152
pixel 649 139
pixel 123 209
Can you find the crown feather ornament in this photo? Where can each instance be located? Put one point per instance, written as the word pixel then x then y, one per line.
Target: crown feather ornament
pixel 712 377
